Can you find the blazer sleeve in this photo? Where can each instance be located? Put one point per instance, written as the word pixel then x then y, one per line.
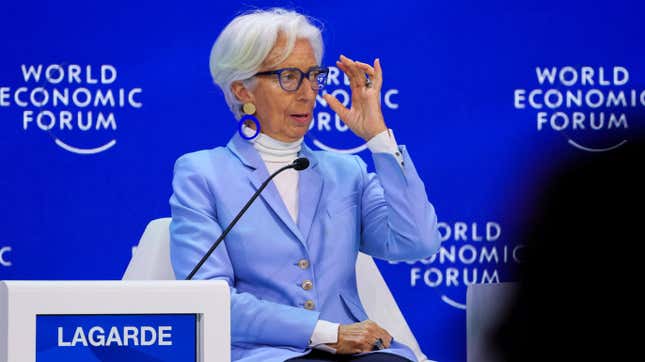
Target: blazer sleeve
pixel 194 228
pixel 398 221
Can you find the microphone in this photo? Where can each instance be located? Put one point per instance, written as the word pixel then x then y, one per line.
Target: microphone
pixel 298 164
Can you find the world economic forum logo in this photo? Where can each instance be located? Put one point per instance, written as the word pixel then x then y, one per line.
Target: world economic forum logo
pixel 77 105
pixel 589 106
pixel 327 131
pixel 470 253
pixel 5 260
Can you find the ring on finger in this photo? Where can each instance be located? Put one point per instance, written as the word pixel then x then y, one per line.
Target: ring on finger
pixel 378 344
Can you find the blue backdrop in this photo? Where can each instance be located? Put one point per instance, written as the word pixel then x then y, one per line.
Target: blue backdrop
pixel 98 99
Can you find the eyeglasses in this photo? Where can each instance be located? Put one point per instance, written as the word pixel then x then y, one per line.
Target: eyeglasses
pixel 290 79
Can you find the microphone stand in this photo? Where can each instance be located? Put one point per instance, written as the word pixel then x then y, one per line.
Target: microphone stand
pixel 298 164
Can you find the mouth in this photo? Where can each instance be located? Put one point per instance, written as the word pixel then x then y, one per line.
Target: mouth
pixel 301 118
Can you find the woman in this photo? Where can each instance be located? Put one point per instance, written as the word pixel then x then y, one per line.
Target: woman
pixel 290 260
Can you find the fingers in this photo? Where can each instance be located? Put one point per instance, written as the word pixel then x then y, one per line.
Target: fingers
pixel 365 68
pixel 383 335
pixel 356 71
pixel 350 65
pixel 375 73
pixel 374 333
pixel 336 106
pixel 356 77
pixel 378 73
pixel 361 337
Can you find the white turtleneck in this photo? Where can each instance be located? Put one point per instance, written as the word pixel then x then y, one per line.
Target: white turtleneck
pixel 277 154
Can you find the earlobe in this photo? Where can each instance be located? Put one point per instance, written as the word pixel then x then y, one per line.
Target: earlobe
pixel 241 93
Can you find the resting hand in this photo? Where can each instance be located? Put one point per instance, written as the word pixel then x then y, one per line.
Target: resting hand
pixel 360 337
pixel 364 117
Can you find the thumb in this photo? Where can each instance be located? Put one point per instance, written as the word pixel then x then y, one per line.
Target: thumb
pixel 336 106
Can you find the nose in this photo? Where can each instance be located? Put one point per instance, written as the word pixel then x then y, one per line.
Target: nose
pixel 306 93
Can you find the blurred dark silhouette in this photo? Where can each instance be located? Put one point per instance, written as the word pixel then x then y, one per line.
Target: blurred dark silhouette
pixel 579 292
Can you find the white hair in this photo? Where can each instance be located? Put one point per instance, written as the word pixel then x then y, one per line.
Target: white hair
pixel 244 44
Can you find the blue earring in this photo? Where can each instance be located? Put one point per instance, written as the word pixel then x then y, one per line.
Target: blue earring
pixel 249 110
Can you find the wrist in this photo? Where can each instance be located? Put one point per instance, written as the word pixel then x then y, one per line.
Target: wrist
pixel 375 132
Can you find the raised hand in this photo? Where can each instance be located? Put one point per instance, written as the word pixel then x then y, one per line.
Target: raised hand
pixel 364 117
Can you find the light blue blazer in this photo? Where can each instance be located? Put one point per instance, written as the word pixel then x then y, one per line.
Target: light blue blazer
pixel 342 209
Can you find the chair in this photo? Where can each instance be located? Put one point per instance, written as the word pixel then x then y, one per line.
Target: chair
pixel 151 261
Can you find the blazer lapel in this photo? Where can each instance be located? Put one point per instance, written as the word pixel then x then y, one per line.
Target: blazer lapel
pixel 310 184
pixel 249 156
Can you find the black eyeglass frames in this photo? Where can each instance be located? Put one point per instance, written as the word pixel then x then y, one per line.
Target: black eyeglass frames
pixel 290 79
